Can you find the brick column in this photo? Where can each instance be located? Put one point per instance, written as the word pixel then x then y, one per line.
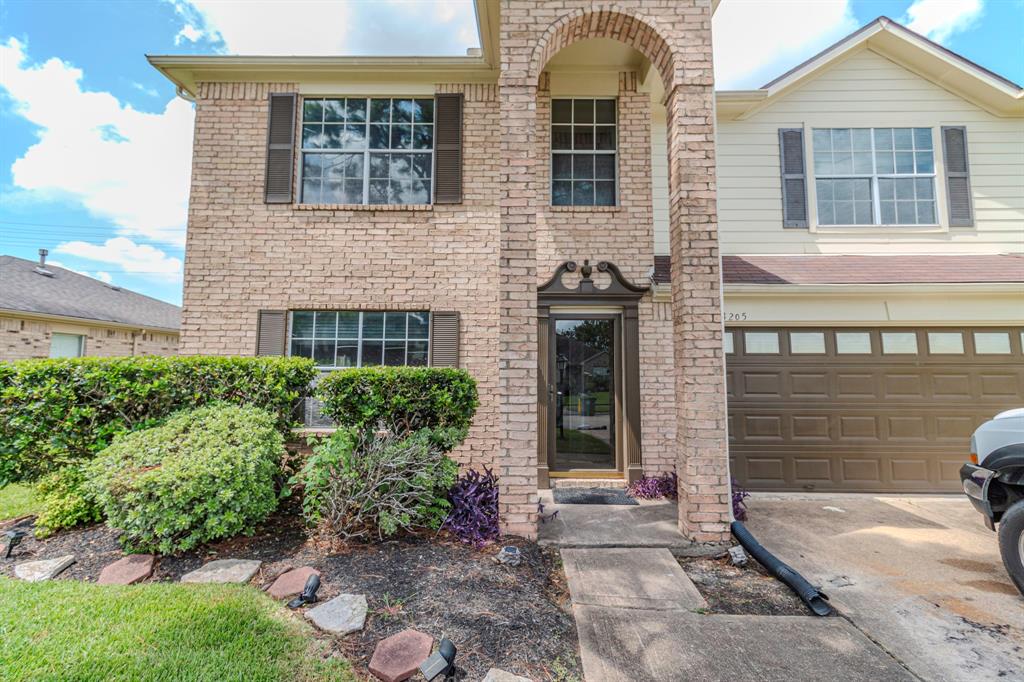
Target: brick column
pixel 517 361
pixel 701 440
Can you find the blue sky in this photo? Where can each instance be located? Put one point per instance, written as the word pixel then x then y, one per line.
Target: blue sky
pixel 95 147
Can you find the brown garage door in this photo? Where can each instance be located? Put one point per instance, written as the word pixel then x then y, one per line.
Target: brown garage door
pixel 878 410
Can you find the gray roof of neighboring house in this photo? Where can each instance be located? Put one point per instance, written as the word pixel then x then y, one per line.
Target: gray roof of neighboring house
pixel 69 294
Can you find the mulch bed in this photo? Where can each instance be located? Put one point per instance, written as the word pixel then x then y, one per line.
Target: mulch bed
pixel 750 590
pixel 513 618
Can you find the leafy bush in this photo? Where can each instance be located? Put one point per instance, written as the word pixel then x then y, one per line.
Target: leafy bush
pixel 474 514
pixel 357 483
pixel 411 398
pixel 665 486
pixel 63 411
pixel 205 474
pixel 64 502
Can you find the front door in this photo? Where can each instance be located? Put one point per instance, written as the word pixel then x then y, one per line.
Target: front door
pixel 584 368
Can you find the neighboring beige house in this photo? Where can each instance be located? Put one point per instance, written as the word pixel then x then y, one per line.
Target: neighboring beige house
pixel 51 312
pixel 551 213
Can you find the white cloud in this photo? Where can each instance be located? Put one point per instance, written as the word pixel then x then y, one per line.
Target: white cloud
pixel 132 258
pixel 940 19
pixel 101 275
pixel 152 92
pixel 252 28
pixel 188 32
pixel 757 40
pixel 126 166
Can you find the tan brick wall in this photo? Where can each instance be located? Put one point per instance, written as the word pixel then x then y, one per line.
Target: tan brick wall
pixel 244 255
pixel 486 257
pixel 22 339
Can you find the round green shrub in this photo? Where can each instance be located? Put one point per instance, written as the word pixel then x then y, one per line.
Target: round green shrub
pixel 409 398
pixel 64 502
pixel 56 412
pixel 204 475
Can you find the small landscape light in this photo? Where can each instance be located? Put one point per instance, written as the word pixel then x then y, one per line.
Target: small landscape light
pixel 12 539
pixel 308 595
pixel 442 662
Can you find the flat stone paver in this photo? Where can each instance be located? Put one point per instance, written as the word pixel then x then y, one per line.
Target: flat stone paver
pixel 344 614
pixel 128 570
pixel 629 578
pixel 224 571
pixel 291 583
pixel 399 656
pixel 634 644
pixel 496 675
pixel 648 524
pixel 46 569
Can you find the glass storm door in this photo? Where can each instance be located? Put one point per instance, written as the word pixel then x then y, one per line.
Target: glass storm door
pixel 584 371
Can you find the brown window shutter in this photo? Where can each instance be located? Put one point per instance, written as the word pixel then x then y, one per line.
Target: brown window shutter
pixel 958 177
pixel 794 177
pixel 271 332
pixel 444 339
pixel 278 183
pixel 448 148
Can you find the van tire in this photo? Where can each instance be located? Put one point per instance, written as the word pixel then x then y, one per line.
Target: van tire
pixel 1011 543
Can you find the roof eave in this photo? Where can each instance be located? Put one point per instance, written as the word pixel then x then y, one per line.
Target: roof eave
pixel 87 321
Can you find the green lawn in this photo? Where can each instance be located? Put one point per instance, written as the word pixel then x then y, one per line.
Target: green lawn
pixel 70 630
pixel 16 500
pixel 579 442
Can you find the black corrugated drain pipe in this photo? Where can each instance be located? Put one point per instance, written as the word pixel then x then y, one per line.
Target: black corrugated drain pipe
pixel 816 601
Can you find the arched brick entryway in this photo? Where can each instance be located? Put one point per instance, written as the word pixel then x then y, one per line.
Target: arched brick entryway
pixel 675 36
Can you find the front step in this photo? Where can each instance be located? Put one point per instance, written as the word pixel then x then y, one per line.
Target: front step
pixel 588 483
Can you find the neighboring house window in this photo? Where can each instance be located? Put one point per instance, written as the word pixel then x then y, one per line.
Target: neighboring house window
pixel 583 142
pixel 337 339
pixel 359 150
pixel 67 345
pixel 874 176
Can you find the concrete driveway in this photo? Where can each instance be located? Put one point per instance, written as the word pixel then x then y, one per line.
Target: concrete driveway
pixel 919 575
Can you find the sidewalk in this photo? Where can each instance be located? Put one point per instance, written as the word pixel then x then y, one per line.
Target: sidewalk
pixel 639 618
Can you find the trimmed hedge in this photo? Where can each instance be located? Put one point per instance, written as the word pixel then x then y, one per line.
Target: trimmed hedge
pixel 203 475
pixel 405 398
pixel 63 411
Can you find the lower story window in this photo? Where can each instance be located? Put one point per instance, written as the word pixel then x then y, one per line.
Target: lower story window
pixel 348 338
pixel 66 345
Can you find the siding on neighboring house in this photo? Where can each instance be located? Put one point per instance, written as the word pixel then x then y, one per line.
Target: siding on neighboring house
pixel 22 339
pixel 864 90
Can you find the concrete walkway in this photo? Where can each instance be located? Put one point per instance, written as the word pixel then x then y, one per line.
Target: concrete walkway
pixel 648 524
pixel 639 619
pixel 919 574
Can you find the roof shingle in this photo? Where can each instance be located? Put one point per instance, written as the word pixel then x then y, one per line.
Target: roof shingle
pixel 69 294
pixel 862 269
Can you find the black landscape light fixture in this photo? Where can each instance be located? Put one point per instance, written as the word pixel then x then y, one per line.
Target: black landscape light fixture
pixel 308 595
pixel 442 662
pixel 12 538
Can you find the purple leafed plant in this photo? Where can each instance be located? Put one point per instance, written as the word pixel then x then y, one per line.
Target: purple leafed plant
pixel 473 518
pixel 665 486
pixel 739 507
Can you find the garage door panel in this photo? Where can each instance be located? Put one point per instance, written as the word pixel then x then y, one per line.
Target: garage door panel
pixel 872 423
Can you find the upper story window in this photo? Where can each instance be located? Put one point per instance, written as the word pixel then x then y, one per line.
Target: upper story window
pixel 349 338
pixel 360 150
pixel 583 150
pixel 874 176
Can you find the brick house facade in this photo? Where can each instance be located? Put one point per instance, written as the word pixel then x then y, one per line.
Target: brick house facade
pixel 508 245
pixel 485 256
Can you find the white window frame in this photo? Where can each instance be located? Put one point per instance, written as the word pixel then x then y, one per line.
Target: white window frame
pixel 367 150
pixel 876 202
pixel 613 152
pixel 359 336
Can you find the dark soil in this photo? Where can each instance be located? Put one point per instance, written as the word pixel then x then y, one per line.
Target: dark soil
pixel 742 591
pixel 513 618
